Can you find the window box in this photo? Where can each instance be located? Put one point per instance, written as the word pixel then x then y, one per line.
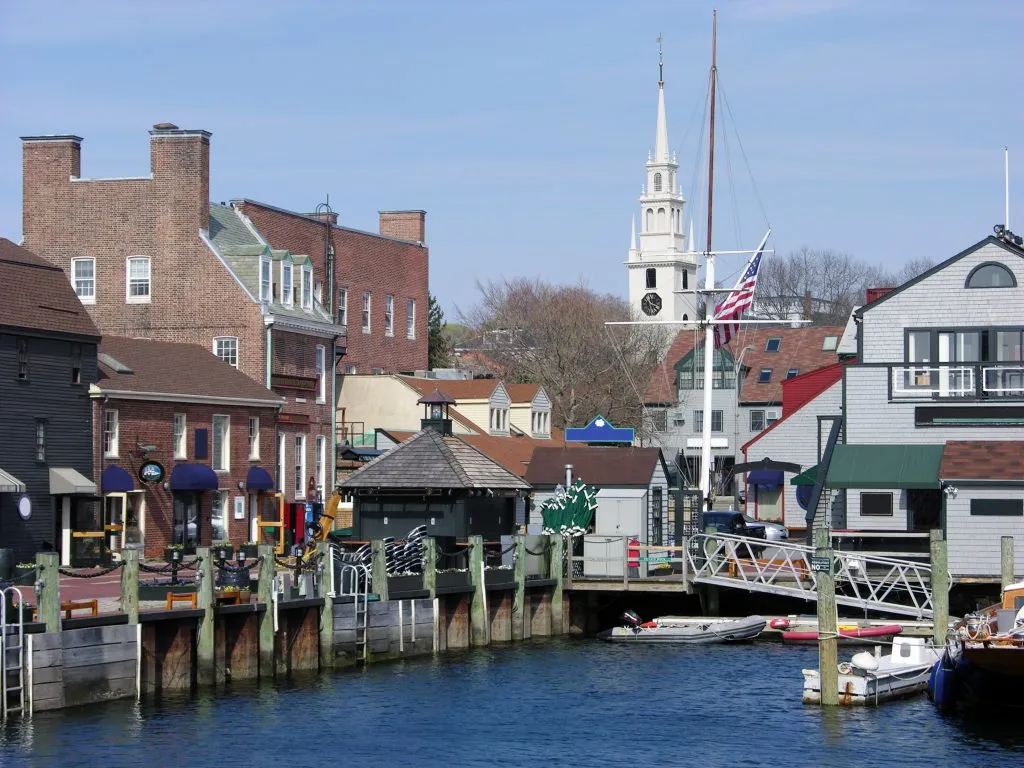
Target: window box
pixel 178 552
pixel 452 580
pixel 250 550
pixel 398 585
pixel 225 547
pixel 499 578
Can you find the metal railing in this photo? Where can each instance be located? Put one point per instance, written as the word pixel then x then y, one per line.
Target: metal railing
pixel 988 381
pixel 863 581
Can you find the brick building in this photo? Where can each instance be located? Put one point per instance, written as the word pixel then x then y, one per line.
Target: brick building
pixel 151 258
pixel 209 428
pixel 380 280
pixel 47 362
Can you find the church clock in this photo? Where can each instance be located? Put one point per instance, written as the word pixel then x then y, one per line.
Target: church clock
pixel 651 304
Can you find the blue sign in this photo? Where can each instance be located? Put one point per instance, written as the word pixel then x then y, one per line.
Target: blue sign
pixel 151 472
pixel 599 430
pixel 309 512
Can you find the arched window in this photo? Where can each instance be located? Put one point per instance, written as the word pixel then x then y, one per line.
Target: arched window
pixel 657 182
pixel 652 278
pixel 991 275
pixel 650 220
pixel 661 219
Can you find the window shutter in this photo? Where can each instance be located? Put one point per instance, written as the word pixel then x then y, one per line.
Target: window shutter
pixel 201 447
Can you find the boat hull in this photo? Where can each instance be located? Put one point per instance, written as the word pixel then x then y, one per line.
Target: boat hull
pixel 703 633
pixel 980 678
pixel 857 636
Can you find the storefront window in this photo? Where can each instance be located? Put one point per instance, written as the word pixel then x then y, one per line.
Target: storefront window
pixel 186 519
pixel 218 516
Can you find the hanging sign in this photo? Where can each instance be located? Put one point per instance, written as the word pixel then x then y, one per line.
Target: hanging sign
pixel 151 472
pixel 24 506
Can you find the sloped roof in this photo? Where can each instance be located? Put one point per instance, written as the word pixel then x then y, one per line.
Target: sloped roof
pixel 799 348
pixel 37 295
pixel 430 460
pixel 817 382
pixel 459 390
pixel 595 465
pixel 522 393
pixel 513 452
pixel 169 368
pixel 983 460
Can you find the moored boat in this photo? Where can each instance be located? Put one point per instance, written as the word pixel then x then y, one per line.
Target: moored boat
pixel 849 634
pixel 685 631
pixel 869 679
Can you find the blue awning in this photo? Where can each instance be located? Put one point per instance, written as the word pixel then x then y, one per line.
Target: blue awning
pixel 116 480
pixel 259 479
pixel 765 478
pixel 193 477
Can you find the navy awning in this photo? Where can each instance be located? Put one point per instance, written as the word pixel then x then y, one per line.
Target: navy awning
pixel 259 479
pixel 116 480
pixel 765 478
pixel 193 477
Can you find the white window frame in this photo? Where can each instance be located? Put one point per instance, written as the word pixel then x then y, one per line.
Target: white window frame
pixel 410 319
pixel 300 466
pixel 343 307
pixel 111 428
pixel 321 464
pixel 307 287
pixel 389 315
pixel 79 282
pixel 147 280
pixel 220 460
pixel 367 310
pixel 321 373
pixel 266 278
pixel 221 354
pixel 179 438
pixel 254 438
pixel 287 286
pixel 282 466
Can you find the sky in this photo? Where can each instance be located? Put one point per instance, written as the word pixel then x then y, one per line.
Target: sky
pixel 870 127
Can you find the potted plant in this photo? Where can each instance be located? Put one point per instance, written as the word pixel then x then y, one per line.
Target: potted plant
pixel 222 550
pixel 174 552
pixel 23 573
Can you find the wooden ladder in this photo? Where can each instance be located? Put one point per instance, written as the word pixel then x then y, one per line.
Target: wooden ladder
pixel 12 656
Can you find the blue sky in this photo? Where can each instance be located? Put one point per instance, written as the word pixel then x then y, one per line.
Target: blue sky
pixel 522 127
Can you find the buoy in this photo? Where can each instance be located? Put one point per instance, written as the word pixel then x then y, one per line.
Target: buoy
pixel 865 660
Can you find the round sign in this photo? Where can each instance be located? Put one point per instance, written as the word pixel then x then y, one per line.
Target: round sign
pixel 24 506
pixel 151 472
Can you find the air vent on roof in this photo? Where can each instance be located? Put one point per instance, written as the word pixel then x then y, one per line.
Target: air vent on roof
pixel 113 363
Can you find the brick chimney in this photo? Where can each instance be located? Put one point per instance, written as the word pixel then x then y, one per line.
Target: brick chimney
pixel 180 164
pixel 808 305
pixel 48 164
pixel 331 216
pixel 404 225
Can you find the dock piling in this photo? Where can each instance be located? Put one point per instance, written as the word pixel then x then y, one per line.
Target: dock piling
pixel 379 568
pixel 323 551
pixel 479 621
pixel 130 584
pixel 558 574
pixel 430 566
pixel 1006 560
pixel 518 607
pixel 48 598
pixel 265 586
pixel 828 637
pixel 205 641
pixel 940 588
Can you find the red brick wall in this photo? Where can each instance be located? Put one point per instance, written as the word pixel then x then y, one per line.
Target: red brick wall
pixel 363 262
pixel 151 423
pixel 193 296
pixel 405 225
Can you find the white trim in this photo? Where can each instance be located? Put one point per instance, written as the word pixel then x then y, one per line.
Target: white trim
pixel 74 279
pixel 148 298
pixel 307 297
pixel 254 445
pixel 389 315
pixel 265 260
pixel 321 458
pixel 113 452
pixel 225 446
pixel 282 464
pixel 217 354
pixel 290 293
pixel 171 397
pixel 108 178
pixel 366 312
pixel 183 454
pixel 410 330
pixel 300 463
pixel 343 305
pixel 301 325
pixel 321 364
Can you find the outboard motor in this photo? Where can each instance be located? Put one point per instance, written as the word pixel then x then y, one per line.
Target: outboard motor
pixel 632 620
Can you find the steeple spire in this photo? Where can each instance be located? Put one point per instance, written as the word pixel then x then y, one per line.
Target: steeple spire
pixel 661 136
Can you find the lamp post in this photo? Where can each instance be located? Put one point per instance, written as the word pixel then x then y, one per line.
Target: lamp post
pixel 736 408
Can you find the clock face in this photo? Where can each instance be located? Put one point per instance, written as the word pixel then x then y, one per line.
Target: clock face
pixel 651 304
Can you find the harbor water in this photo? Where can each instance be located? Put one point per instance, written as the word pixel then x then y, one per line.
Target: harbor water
pixel 570 703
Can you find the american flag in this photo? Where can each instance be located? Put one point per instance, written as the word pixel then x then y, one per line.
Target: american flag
pixel 739 300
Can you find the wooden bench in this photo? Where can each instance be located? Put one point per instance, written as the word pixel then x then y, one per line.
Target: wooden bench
pixel 74 605
pixel 180 597
pixel 227 597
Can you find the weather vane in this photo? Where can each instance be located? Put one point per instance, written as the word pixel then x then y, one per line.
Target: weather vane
pixel 661 77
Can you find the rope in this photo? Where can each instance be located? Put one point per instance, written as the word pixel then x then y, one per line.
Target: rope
pixel 454 553
pixel 166 568
pixel 544 550
pixel 90 575
pixel 236 568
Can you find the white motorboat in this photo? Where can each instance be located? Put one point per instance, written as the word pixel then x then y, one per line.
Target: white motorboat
pixel 872 678
pixel 672 629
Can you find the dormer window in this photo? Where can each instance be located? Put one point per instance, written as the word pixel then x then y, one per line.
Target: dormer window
pixel 265 278
pixel 539 422
pixel 287 289
pixel 498 421
pixel 307 287
pixel 991 275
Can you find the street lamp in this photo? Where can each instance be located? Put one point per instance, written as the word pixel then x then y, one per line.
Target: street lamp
pixel 736 409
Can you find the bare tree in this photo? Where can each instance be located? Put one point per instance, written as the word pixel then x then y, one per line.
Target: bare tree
pixel 556 336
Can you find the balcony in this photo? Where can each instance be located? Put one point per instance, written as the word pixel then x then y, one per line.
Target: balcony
pixel 998 382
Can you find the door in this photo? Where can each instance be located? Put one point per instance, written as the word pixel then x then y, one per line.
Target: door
pixel 769 504
pixel 88 539
pixel 185 530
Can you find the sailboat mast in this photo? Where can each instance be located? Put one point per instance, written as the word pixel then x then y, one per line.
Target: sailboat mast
pixel 709 298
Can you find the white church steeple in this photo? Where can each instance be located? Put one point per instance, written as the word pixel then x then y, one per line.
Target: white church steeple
pixel 662 265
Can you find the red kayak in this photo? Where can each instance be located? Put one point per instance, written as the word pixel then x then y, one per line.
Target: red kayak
pixel 847 635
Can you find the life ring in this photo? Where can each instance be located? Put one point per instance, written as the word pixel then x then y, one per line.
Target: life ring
pixel 845 668
pixel 779 624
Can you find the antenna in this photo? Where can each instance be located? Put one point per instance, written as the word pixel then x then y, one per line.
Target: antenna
pixel 661 62
pixel 1006 186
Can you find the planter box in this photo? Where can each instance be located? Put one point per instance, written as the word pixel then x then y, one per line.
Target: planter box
pixel 250 550
pixel 182 553
pixel 448 580
pixel 399 584
pixel 227 549
pixel 503 578
pixel 159 591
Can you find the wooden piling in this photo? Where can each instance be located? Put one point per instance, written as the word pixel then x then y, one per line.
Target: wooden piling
pixel 323 551
pixel 828 637
pixel 479 622
pixel 265 589
pixel 207 674
pixel 430 566
pixel 518 600
pixel 379 569
pixel 48 606
pixel 940 588
pixel 130 584
pixel 1006 560
pixel 558 574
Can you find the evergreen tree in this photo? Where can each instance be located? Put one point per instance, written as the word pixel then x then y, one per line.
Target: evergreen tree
pixel 438 347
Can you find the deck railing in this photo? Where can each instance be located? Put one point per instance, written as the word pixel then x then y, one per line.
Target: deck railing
pixel 956 381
